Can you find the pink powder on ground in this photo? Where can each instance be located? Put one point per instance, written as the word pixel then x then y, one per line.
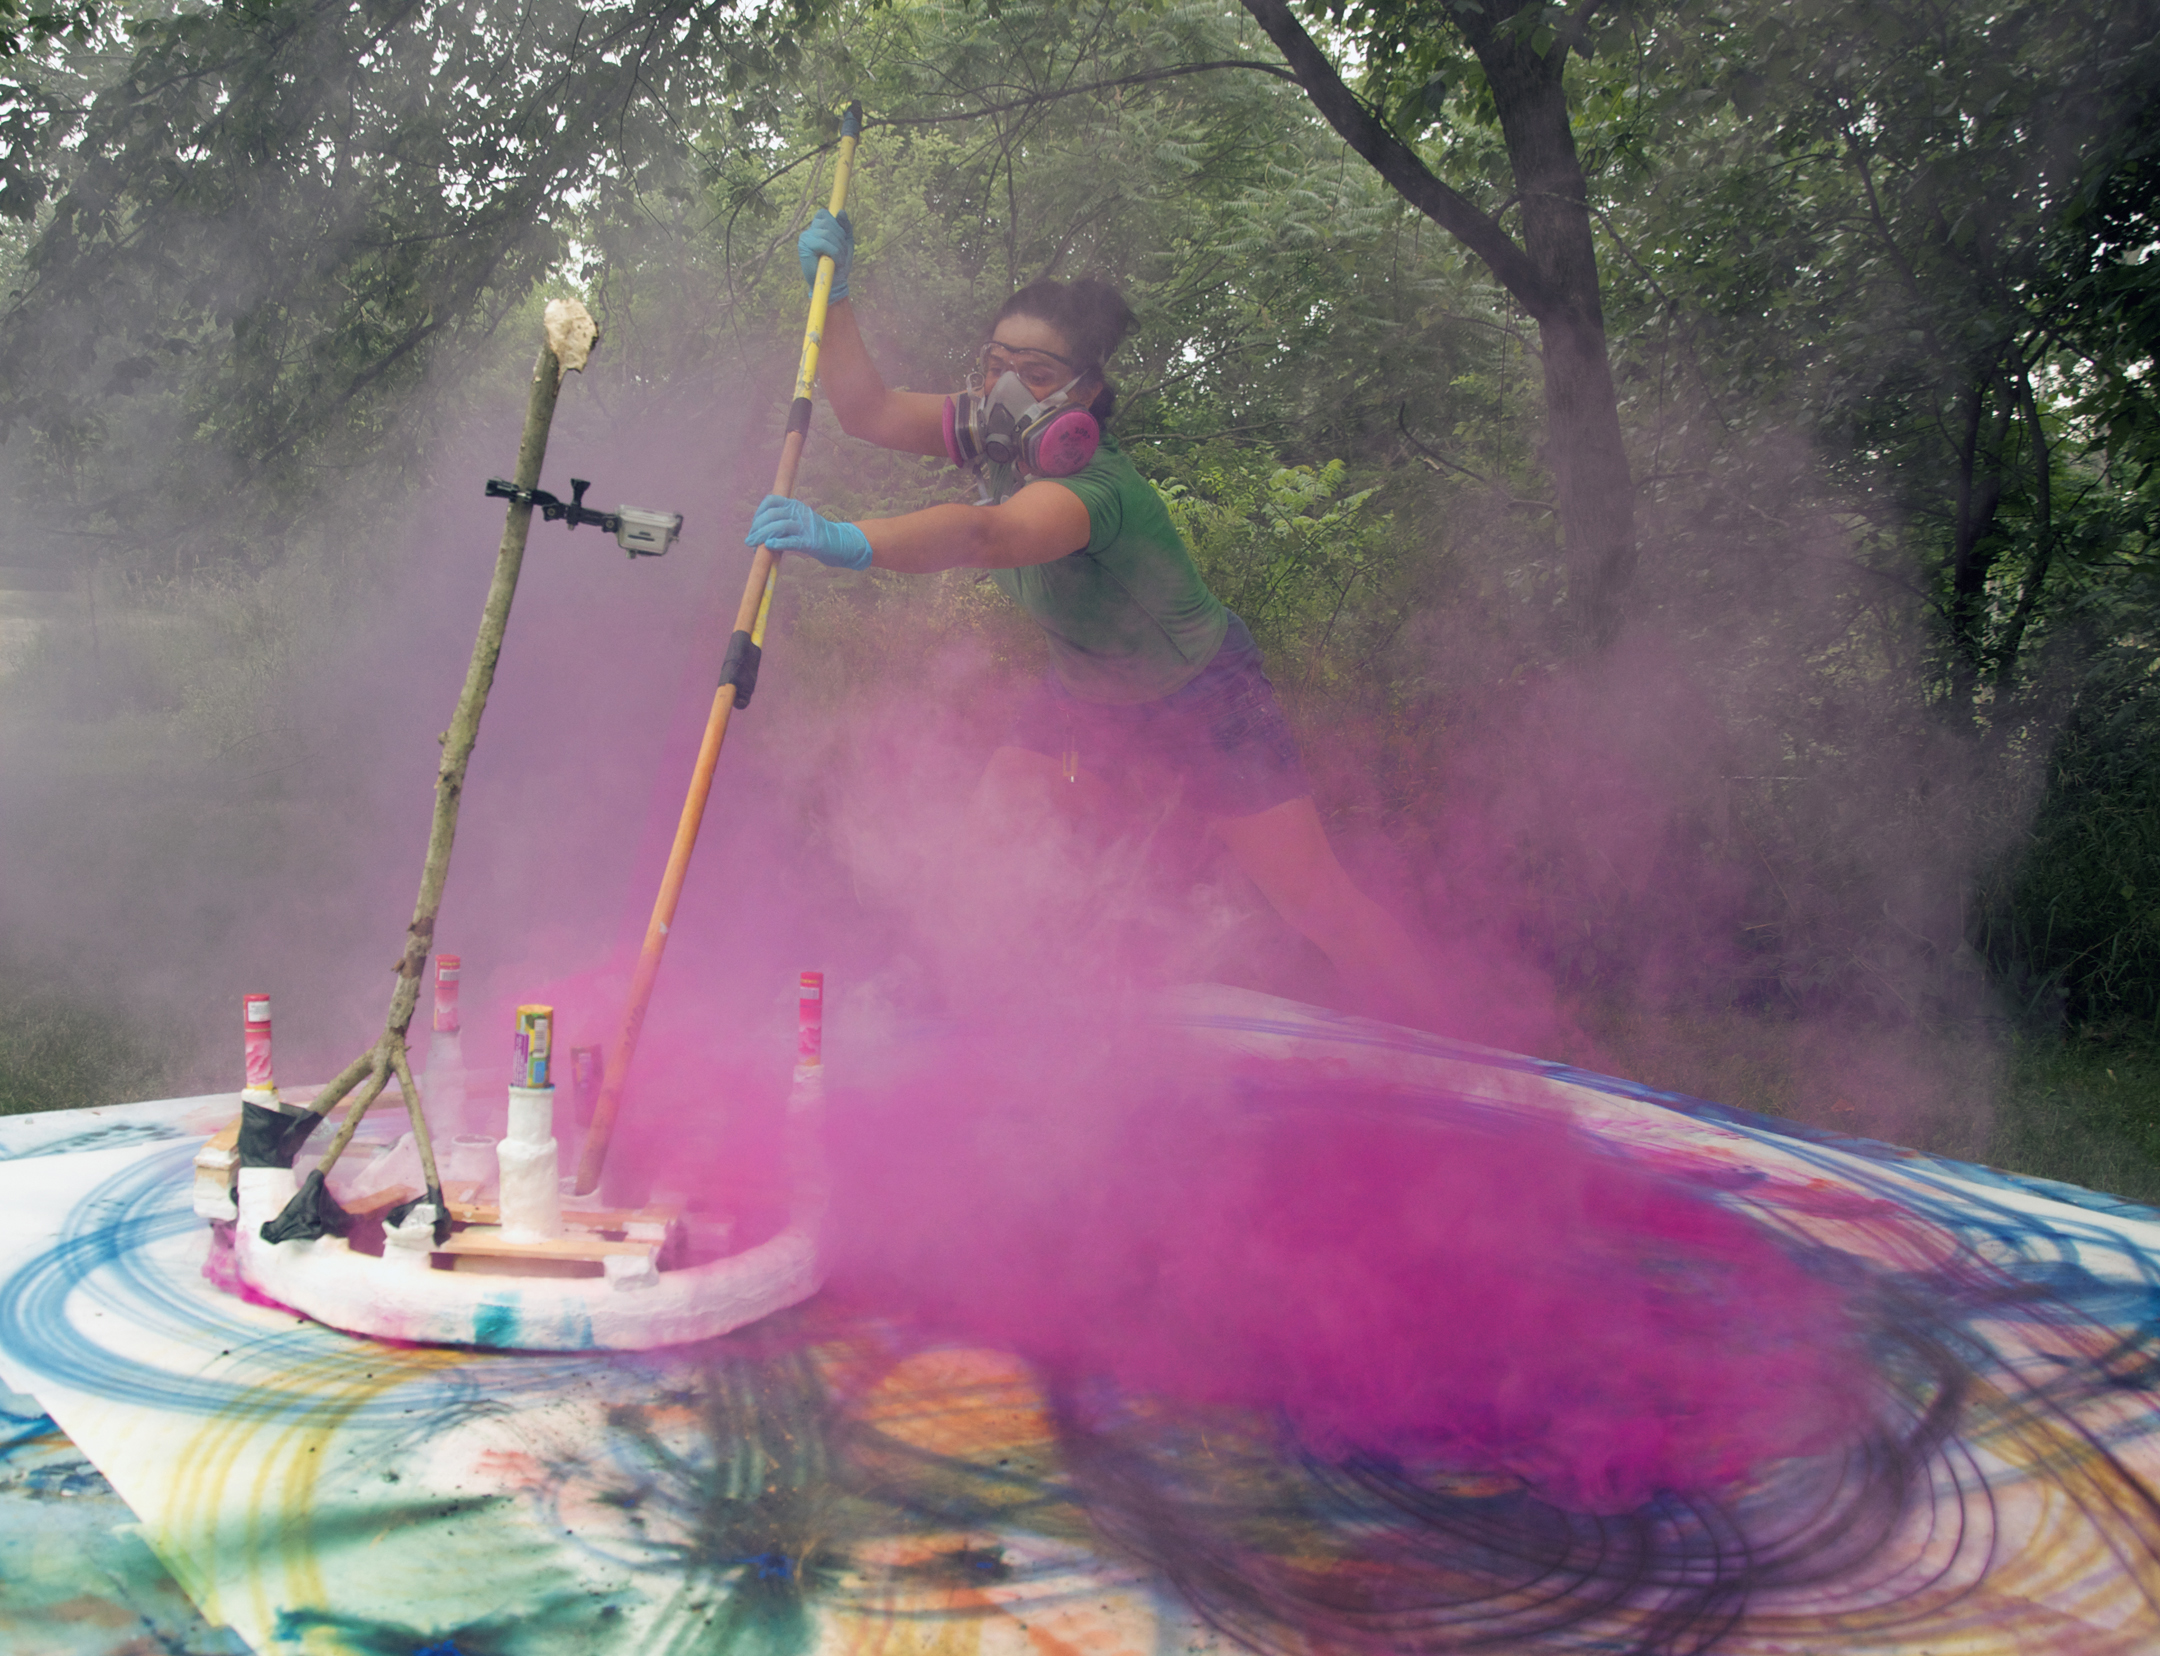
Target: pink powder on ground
pixel 1388 1274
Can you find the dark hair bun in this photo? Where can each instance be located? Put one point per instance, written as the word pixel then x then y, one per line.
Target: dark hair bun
pixel 1091 314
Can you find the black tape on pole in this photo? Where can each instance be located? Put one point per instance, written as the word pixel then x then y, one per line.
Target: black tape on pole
pixel 739 666
pixel 798 416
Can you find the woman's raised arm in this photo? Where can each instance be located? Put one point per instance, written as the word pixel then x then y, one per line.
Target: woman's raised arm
pixel 911 421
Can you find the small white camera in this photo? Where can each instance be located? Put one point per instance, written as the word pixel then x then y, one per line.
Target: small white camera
pixel 646 534
pixel 641 534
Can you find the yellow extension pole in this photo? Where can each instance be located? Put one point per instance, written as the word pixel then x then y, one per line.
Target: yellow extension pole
pixel 738 677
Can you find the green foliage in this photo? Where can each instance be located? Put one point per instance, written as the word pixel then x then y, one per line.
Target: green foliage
pixel 1914 236
pixel 276 216
pixel 1306 563
pixel 41 92
pixel 1419 69
pixel 1861 230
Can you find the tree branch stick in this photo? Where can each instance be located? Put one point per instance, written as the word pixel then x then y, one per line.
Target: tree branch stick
pixel 421 1141
pixel 346 1079
pixel 570 336
pixel 378 1079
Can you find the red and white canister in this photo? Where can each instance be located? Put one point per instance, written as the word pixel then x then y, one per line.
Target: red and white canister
pixel 448 970
pixel 261 1084
pixel 810 1022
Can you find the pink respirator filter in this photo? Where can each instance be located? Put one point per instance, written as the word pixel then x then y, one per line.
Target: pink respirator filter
pixel 1067 443
pixel 952 432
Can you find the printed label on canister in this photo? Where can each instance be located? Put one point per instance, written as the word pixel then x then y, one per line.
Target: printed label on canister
pixel 810 1019
pixel 534 1046
pixel 255 1041
pixel 448 969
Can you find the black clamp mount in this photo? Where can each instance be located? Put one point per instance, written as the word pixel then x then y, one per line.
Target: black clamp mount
pixel 641 534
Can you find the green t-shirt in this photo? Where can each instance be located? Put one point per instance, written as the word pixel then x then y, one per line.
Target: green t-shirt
pixel 1128 616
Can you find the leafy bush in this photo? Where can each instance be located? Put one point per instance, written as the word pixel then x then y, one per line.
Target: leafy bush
pixel 1297 554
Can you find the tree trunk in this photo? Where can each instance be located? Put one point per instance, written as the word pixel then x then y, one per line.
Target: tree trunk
pixel 1584 450
pixel 1973 547
pixel 2036 572
pixel 1552 273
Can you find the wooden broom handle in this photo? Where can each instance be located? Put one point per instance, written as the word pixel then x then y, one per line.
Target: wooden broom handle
pixel 745 643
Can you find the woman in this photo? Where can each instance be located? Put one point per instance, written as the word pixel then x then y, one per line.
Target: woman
pixel 1148 666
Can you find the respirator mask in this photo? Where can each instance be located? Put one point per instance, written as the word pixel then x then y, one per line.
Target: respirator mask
pixel 1006 427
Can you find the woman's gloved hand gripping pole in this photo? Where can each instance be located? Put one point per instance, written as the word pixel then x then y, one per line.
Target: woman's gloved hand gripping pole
pixel 1036 525
pixel 790 526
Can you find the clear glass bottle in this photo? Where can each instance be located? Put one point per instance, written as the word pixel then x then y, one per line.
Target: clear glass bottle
pixel 442 1080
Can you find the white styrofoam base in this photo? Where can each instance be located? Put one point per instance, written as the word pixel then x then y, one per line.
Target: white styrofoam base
pixel 327 1280
pixel 621 1310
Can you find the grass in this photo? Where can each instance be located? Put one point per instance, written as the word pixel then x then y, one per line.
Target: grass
pixel 2085 1109
pixel 61 1050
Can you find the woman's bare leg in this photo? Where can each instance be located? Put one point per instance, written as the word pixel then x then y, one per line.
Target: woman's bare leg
pixel 1285 852
pixel 1025 805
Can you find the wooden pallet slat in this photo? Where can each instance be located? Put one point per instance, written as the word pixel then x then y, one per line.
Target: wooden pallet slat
pixel 657 1220
pixel 377 1201
pixel 488 1240
pixel 591 1235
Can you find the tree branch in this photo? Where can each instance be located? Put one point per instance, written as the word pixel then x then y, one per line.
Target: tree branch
pixel 1142 78
pixel 1399 164
pixel 1440 462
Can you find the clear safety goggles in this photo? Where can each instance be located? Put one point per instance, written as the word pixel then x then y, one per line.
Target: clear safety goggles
pixel 1042 372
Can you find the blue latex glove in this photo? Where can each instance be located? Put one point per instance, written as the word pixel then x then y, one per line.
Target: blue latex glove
pixel 789 526
pixel 827 237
